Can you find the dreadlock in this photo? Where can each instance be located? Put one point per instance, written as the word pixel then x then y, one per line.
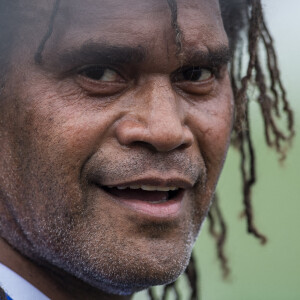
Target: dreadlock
pixel 245 26
pixel 178 34
pixel 38 54
pixel 271 97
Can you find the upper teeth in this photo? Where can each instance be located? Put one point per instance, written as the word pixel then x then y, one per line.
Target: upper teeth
pixel 147 188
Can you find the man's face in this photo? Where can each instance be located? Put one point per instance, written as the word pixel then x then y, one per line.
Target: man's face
pixel 112 146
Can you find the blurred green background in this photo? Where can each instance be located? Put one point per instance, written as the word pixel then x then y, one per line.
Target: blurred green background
pixel 270 272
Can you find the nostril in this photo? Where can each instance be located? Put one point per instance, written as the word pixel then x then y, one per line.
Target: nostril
pixel 130 131
pixel 183 146
pixel 144 145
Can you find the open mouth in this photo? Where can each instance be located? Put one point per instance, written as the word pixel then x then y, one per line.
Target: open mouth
pixel 152 198
pixel 147 193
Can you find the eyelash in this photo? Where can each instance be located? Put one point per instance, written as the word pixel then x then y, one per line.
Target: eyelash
pixel 192 73
pixel 94 68
pixel 179 75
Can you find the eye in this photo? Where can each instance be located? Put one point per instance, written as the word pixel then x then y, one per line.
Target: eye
pixel 195 80
pixel 195 74
pixel 101 74
pixel 100 80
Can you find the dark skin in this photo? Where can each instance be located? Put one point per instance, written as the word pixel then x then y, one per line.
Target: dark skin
pixel 111 105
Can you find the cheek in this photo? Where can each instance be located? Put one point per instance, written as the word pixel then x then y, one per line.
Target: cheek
pixel 212 122
pixel 55 133
pixel 65 125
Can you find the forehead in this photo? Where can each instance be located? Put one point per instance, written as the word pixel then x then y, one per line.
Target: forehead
pixel 119 22
pixel 105 14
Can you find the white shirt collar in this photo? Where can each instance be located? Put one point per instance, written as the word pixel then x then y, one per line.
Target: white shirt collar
pixel 18 288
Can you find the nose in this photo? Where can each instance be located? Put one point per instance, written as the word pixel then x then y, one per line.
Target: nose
pixel 156 119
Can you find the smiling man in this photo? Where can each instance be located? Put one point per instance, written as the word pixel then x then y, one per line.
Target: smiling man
pixel 115 122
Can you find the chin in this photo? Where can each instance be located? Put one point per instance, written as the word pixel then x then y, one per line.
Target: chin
pixel 138 281
pixel 126 276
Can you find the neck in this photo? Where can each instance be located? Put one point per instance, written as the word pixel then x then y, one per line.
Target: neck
pixel 46 281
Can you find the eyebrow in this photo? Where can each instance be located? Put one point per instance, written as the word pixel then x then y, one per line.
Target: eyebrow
pixel 212 57
pixel 99 53
pixel 90 53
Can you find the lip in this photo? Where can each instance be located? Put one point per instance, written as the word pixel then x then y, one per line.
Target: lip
pixel 179 182
pixel 169 210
